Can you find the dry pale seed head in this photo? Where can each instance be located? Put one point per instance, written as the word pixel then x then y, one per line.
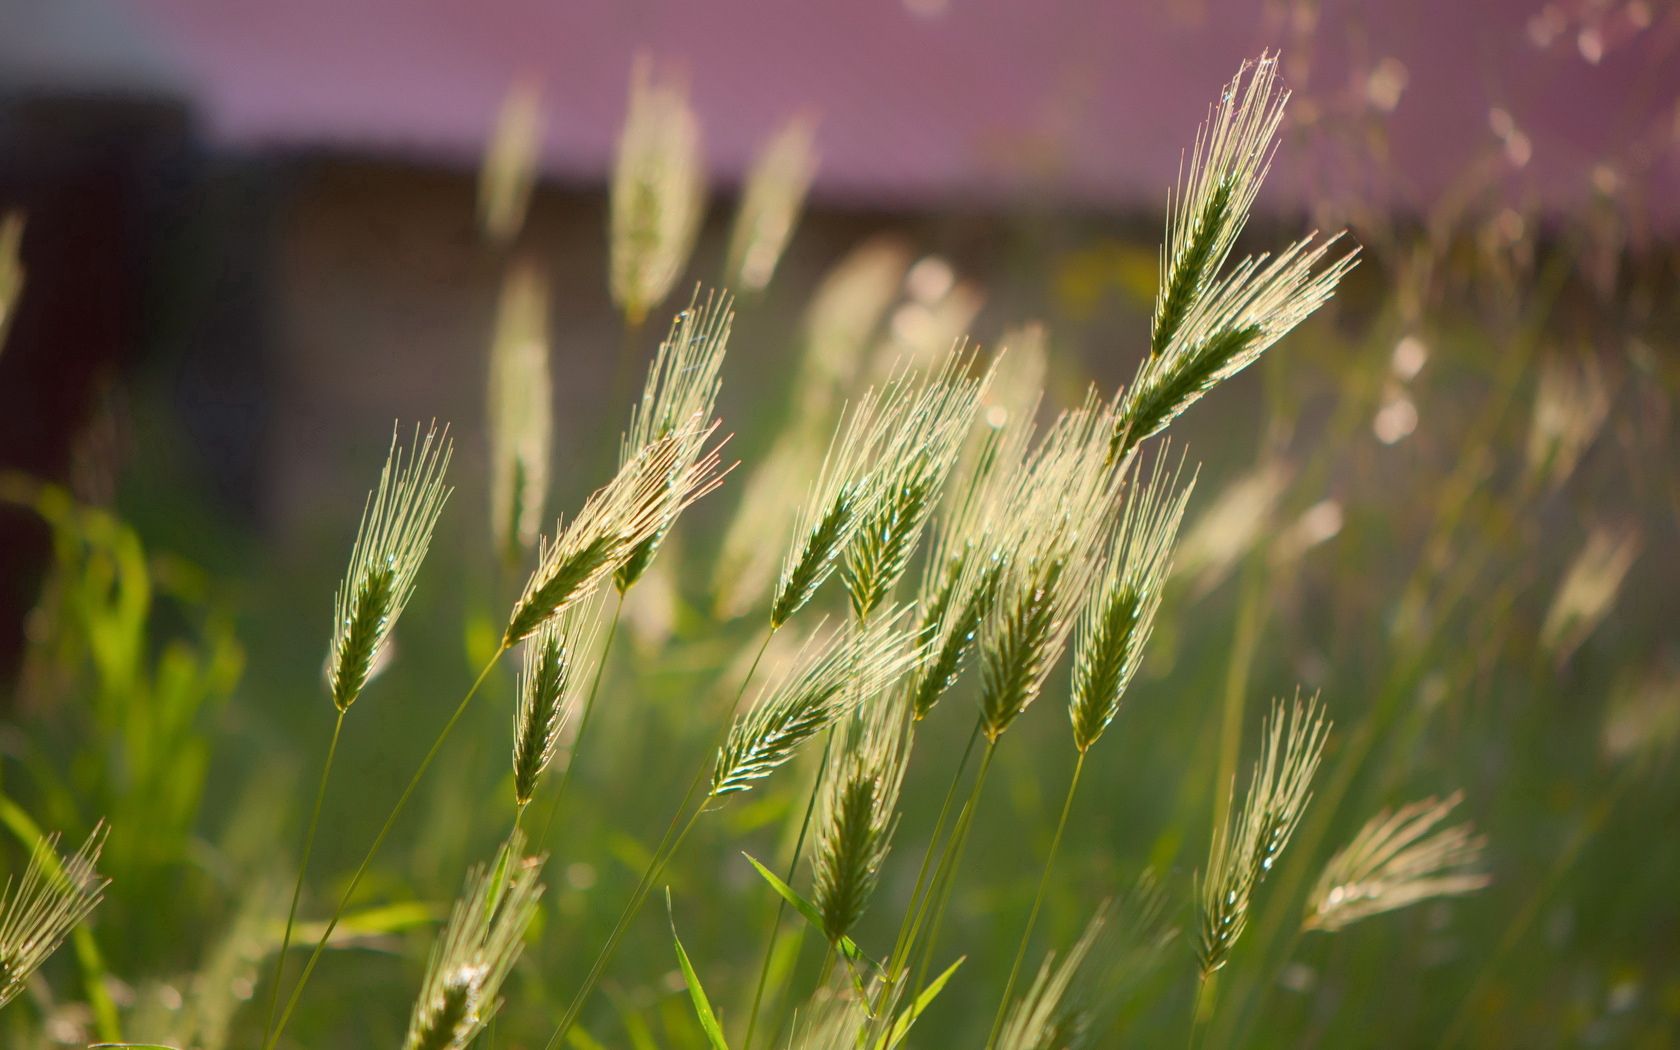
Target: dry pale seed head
pixel 39 910
pixel 770 204
pixel 646 495
pixel 914 460
pixel 682 385
pixel 396 530
pixel 935 310
pixel 1571 404
pixel 1230 324
pixel 1020 367
pixel 1120 613
pixel 1642 722
pixel 1237 518
pixel 510 163
pixel 843 317
pixel 1058 513
pixel 829 677
pixel 1248 841
pixel 520 411
pixel 658 193
pixel 1589 587
pixel 11 269
pixel 1398 859
pixel 859 812
pixel 475 952
pixel 1228 163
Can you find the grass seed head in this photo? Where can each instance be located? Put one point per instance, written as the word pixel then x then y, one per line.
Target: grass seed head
pixel 391 544
pixel 645 496
pixel 847 494
pixel 1248 842
pixel 829 677
pixel 476 951
pixel 1120 613
pixel 682 385
pixel 39 910
pixel 1236 320
pixel 771 201
pixel 540 713
pixel 520 412
pixel 1058 512
pixel 1054 1014
pixel 914 462
pixel 1398 859
pixel 657 195
pixel 858 814
pixel 1228 163
pixel 11 269
pixel 510 163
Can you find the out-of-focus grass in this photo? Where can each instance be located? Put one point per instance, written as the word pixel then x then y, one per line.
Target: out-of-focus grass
pixel 1447 507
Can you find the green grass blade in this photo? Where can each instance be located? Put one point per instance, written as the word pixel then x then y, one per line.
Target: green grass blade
pixel 847 946
pixel 907 1017
pixel 696 992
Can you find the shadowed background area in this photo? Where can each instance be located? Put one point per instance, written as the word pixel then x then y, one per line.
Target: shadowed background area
pixel 251 238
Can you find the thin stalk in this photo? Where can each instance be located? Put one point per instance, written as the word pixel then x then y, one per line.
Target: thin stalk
pixel 1246 636
pixel 781 905
pixel 947 875
pixel 583 724
pixel 655 869
pixel 1196 1012
pixel 898 963
pixel 829 955
pixel 913 914
pixel 503 862
pixel 628 337
pixel 668 846
pixel 1038 902
pixel 373 850
pixel 1524 916
pixel 303 869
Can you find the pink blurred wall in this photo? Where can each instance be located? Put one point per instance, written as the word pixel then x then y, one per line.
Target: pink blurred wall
pixel 924 99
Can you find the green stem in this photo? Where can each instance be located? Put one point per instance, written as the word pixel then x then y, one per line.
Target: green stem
pixel 912 914
pixel 781 905
pixel 829 955
pixel 1038 902
pixel 655 868
pixel 946 877
pixel 668 846
pixel 303 869
pixel 583 724
pixel 1237 673
pixel 379 840
pixel 916 911
pixel 1196 1012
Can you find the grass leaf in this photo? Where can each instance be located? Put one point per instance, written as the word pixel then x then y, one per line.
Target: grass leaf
pixel 924 999
pixel 847 946
pixel 702 1005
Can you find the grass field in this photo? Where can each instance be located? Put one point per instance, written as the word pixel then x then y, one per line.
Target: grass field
pixel 1442 505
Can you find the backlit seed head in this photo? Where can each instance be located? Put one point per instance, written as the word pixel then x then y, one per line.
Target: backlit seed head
pixel 1397 859
pixel 39 910
pixel 657 195
pixel 391 544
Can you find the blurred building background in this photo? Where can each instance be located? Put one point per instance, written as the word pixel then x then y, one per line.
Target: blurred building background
pixel 268 208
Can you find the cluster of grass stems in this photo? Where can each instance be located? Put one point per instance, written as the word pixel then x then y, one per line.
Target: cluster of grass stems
pixel 978 551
